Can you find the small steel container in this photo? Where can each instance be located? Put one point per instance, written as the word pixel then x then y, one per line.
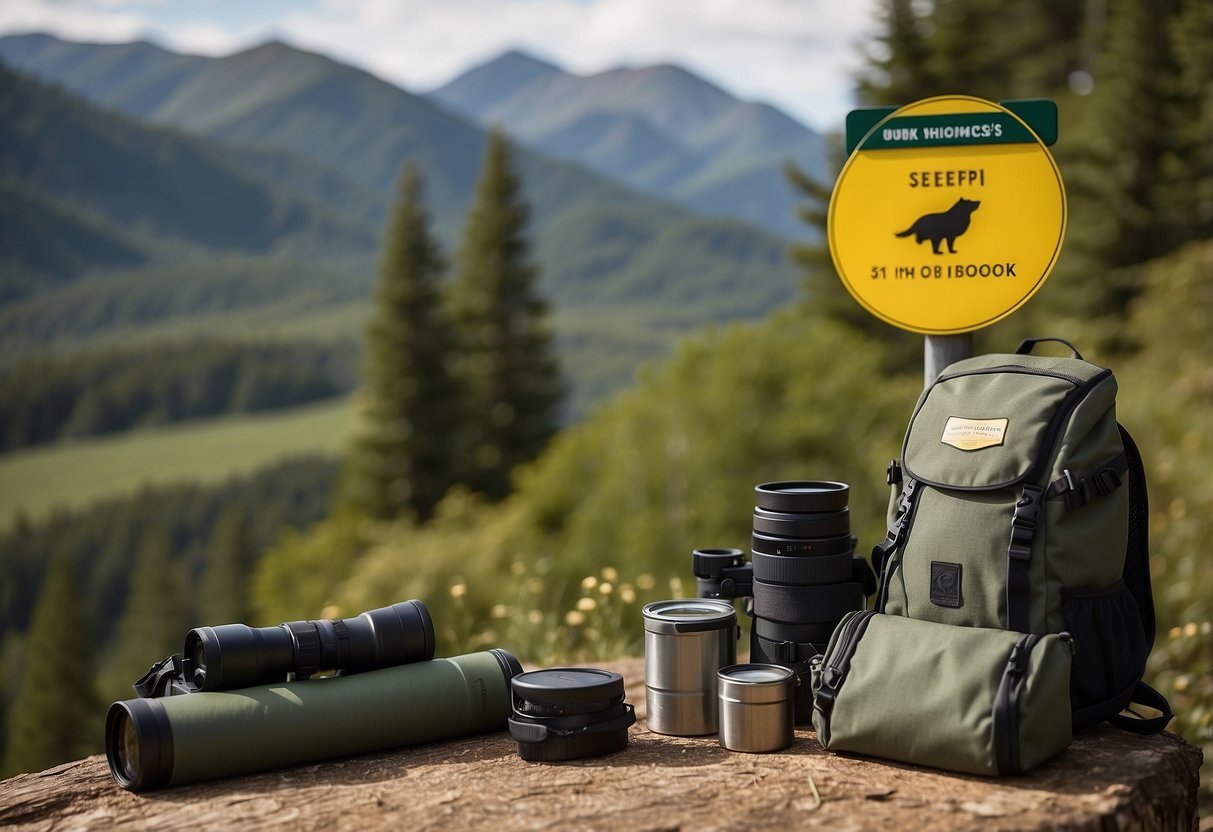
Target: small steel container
pixel 685 643
pixel 757 707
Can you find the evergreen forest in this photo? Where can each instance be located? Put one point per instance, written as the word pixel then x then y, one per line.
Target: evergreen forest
pixel 481 476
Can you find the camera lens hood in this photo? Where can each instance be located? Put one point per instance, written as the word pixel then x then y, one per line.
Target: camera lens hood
pixel 802 495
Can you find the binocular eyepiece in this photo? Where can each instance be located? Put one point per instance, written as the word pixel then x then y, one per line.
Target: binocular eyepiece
pixel 234 656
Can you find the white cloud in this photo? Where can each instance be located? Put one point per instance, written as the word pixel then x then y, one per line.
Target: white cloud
pixel 796 54
pixel 82 21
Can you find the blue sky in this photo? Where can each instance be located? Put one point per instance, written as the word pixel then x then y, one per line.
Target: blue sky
pixel 796 54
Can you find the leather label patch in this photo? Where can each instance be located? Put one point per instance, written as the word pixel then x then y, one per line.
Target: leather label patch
pixel 945 584
pixel 973 434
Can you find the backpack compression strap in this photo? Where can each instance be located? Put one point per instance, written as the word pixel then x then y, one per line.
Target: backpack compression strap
pixel 1019 557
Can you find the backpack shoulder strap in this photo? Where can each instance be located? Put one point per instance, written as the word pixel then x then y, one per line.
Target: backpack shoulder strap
pixel 1136 571
pixel 1136 576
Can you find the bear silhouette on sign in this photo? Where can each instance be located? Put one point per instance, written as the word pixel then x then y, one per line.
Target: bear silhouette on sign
pixel 947 225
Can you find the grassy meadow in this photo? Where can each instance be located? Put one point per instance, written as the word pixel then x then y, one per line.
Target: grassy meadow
pixel 71 475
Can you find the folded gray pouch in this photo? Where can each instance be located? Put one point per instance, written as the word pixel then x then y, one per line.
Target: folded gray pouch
pixel 965 699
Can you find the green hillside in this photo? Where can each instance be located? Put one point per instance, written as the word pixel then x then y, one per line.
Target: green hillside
pixel 154 184
pixel 46 240
pixel 303 132
pixel 71 475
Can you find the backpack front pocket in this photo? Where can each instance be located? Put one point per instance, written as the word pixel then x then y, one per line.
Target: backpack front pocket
pixel 966 699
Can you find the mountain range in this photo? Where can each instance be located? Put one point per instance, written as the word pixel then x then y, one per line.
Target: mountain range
pixel 660 129
pixel 276 156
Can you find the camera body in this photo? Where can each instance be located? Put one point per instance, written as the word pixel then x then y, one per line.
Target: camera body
pixel 804 575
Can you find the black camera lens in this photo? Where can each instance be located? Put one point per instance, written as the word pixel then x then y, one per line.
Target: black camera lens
pixel 804 576
pixel 234 656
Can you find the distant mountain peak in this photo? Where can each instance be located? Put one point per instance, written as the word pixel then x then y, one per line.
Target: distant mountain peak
pixel 514 67
pixel 519 58
pixel 274 46
pixel 492 81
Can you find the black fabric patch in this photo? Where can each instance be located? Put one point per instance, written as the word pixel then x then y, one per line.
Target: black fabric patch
pixel 945 584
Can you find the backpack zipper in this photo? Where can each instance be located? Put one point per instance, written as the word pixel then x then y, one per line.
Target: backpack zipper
pixel 850 631
pixel 1017 368
pixel 1006 705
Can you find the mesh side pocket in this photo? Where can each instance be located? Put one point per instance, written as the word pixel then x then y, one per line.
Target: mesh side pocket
pixel 1110 650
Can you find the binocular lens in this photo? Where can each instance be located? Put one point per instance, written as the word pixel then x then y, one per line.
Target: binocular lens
pixel 128 747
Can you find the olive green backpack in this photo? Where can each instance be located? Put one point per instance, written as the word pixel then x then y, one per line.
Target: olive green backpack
pixel 1019 503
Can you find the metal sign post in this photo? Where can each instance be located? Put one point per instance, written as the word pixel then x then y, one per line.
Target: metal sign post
pixel 938 351
pixel 948 215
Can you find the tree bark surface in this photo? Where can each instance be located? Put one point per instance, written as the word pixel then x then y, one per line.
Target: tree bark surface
pixel 1107 780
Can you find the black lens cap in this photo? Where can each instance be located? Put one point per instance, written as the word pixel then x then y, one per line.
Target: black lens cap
pixel 802 495
pixel 565 713
pixel 565 686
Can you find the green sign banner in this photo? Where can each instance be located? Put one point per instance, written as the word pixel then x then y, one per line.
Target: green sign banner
pixel 948 130
pixel 1040 114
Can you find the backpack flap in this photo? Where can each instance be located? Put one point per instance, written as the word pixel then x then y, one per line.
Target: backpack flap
pixel 987 422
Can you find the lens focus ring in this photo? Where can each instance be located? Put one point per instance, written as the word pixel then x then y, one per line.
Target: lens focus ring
pixel 307 647
pixel 806 604
pixel 811 524
pixel 802 571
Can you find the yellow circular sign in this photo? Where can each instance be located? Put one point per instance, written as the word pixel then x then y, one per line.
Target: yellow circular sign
pixel 948 216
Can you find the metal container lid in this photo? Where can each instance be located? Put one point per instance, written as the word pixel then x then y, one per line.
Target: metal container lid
pixel 688 615
pixel 756 683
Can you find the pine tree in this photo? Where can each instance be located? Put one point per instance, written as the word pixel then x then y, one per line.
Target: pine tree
pixel 1184 195
pixel 56 715
pixel 403 459
pixel 507 357
pixel 223 592
pixel 824 293
pixel 1114 161
pixel 896 72
pixel 155 620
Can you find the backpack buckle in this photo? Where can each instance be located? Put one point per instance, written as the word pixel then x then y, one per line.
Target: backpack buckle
pixel 1027 508
pixel 1023 524
pixel 892 474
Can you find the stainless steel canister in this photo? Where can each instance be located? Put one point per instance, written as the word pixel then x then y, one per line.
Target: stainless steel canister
pixel 757 707
pixel 685 643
